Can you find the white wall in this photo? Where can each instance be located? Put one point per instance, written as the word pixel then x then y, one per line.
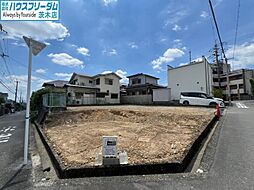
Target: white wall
pixel 193 77
pixel 115 88
pixel 150 80
pixel 144 79
pixel 84 81
pixel 161 95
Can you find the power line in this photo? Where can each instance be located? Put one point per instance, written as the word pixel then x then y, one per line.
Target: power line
pixel 236 30
pixel 223 52
pixel 6 86
pixel 217 29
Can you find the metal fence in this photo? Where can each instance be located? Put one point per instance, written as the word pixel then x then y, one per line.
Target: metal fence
pixel 54 100
pixel 91 101
pixel 137 99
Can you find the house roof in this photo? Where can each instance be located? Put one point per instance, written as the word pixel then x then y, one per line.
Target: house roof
pixel 138 74
pixel 55 83
pixel 2 94
pixel 75 74
pixel 80 86
pixel 112 73
pixel 145 85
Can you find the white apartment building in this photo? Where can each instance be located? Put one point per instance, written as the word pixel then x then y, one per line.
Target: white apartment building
pixel 196 76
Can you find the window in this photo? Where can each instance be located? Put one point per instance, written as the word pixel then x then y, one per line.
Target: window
pixel 136 81
pixel 241 86
pixel 98 81
pixel 90 82
pixel 232 87
pixel 108 81
pixel 114 96
pixel 100 95
pixel 78 95
pixel 203 96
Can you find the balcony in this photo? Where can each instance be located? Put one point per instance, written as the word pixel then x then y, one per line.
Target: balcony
pixel 235 91
pixel 235 82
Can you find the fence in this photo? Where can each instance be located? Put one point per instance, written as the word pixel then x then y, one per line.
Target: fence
pixel 54 100
pixel 137 99
pixel 72 101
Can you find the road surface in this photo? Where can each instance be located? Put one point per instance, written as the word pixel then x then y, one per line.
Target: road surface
pixel 13 175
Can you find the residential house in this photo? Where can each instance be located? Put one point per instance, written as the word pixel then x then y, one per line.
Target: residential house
pixel 98 89
pixel 56 85
pixel 196 76
pixel 4 96
pixel 142 84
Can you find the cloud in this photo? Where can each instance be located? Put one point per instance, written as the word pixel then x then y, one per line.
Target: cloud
pixel 174 16
pixel 133 45
pixel 65 59
pixel 84 51
pixel 204 14
pixel 182 64
pixel 110 52
pixel 41 71
pixel 43 31
pixel 65 76
pixel 120 73
pixel 244 56
pixel 177 28
pixel 169 56
pixel 109 2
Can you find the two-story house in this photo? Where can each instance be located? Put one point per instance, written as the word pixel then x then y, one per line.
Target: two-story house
pixel 84 89
pixel 142 84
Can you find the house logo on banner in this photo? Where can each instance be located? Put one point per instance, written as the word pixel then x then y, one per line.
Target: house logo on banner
pixel 27 10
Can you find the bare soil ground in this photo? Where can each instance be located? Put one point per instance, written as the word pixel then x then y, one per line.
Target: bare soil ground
pixel 148 134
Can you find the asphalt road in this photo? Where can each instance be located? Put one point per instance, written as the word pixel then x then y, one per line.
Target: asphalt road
pixel 13 175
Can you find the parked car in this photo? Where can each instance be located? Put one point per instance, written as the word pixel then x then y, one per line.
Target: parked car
pixel 200 98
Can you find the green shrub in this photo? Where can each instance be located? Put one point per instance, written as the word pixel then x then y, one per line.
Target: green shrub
pixel 218 93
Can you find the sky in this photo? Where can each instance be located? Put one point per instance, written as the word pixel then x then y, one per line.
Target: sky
pixel 126 37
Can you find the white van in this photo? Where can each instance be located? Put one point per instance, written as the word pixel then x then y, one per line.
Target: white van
pixel 200 99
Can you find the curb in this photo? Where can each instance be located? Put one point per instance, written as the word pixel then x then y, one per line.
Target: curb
pixel 120 170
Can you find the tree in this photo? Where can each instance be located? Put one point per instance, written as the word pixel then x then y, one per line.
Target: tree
pixel 252 86
pixel 36 99
pixel 218 93
pixel 2 100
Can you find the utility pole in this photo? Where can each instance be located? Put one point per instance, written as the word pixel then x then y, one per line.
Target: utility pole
pixel 190 56
pixel 16 92
pixel 223 52
pixel 20 97
pixel 216 60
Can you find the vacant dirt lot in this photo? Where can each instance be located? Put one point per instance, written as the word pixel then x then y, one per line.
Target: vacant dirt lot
pixel 148 134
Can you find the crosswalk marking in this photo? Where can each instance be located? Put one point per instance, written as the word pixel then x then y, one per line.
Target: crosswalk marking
pixel 241 105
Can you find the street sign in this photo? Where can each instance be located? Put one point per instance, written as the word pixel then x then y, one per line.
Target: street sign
pixel 35 45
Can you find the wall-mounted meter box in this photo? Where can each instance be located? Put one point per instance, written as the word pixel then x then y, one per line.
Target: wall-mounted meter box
pixel 109 148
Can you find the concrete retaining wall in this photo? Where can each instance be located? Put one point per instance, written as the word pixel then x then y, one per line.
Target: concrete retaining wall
pixel 137 99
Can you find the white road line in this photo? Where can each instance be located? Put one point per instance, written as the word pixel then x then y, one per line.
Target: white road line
pixel 241 105
pixel 4 136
